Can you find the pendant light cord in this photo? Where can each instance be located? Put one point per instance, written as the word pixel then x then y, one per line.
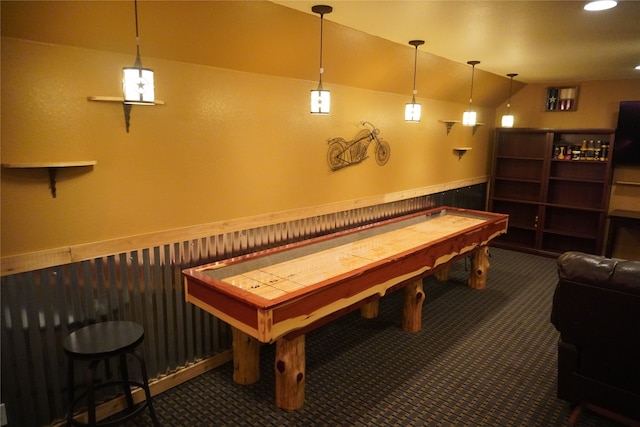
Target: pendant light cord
pixel 415 68
pixel 138 62
pixel 510 88
pixel 473 71
pixel 321 69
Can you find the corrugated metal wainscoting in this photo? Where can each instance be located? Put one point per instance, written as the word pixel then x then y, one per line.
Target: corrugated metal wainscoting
pixel 40 308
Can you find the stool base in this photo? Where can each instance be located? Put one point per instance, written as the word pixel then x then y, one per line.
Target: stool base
pixel 132 409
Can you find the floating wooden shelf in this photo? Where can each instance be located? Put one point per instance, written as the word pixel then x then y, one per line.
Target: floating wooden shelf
pixel 52 167
pixel 461 151
pixel 26 165
pixel 475 127
pixel 118 99
pixel 637 184
pixel 450 123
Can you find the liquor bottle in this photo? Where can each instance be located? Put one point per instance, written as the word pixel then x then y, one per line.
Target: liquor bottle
pixel 604 155
pixel 576 153
pixel 590 149
pixel 583 150
pixel 597 150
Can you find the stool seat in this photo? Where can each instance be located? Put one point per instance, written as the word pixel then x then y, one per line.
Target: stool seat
pixel 98 343
pixel 102 340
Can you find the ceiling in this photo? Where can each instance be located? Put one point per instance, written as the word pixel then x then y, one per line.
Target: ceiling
pixel 542 41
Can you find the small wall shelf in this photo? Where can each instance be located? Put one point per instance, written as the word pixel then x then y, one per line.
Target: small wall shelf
pixel 127 107
pixel 460 151
pixel 117 99
pixel 476 126
pixel 449 124
pixel 52 167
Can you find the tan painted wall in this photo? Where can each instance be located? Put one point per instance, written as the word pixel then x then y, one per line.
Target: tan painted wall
pixel 235 138
pixel 598 103
pixel 227 144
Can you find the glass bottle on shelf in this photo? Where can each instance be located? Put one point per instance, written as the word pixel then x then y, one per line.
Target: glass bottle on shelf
pixel 597 150
pixel 604 154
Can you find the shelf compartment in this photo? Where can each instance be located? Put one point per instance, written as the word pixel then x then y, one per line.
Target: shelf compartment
pixel 522 144
pixel 529 169
pixel 576 138
pixel 559 243
pixel 523 214
pixel 518 237
pixel 577 194
pixel 583 170
pixel 572 222
pixel 517 189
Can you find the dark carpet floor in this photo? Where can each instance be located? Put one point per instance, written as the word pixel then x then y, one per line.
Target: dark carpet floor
pixel 483 358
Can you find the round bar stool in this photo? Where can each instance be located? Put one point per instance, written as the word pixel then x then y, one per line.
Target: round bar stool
pixel 100 342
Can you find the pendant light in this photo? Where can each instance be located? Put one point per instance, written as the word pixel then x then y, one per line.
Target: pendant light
pixel 469 116
pixel 507 119
pixel 320 98
pixel 413 110
pixel 137 82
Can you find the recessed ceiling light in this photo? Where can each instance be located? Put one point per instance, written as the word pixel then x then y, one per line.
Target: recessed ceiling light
pixel 637 67
pixel 600 5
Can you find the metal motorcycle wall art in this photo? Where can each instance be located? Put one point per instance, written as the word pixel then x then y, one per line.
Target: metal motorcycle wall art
pixel 343 153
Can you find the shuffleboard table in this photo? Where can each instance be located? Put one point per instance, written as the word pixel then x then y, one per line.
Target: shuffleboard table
pixel 278 295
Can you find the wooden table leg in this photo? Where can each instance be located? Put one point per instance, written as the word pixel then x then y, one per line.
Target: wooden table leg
pixel 442 274
pixel 479 267
pixel 246 358
pixel 412 310
pixel 290 373
pixel 370 310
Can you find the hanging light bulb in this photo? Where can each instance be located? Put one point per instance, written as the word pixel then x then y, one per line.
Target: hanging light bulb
pixel 507 119
pixel 320 98
pixel 413 110
pixel 469 116
pixel 137 82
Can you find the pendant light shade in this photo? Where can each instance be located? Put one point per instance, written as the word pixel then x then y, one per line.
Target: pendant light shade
pixel 413 110
pixel 137 85
pixel 320 98
pixel 320 101
pixel 469 116
pixel 137 81
pixel 507 119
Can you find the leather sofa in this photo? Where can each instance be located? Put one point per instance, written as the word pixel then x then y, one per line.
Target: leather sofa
pixel 596 309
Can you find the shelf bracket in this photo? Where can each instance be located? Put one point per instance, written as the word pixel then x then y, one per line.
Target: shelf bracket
pixel 475 128
pixel 126 107
pixel 449 124
pixel 52 180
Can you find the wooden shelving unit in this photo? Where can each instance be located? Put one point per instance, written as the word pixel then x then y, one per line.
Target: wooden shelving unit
pixel 555 205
